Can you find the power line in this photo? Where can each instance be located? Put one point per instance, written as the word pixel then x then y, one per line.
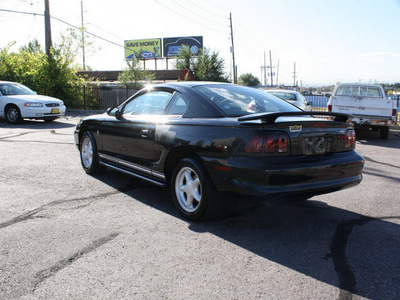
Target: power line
pixel 66 23
pixel 187 18
pixel 206 10
pixel 198 15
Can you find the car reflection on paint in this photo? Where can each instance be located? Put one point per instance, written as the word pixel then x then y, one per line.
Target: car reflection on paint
pixel 204 140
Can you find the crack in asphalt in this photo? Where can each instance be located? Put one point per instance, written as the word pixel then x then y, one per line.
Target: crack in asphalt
pixel 59 133
pixel 32 213
pixel 49 272
pixel 381 163
pixel 7 138
pixel 17 135
pixel 347 280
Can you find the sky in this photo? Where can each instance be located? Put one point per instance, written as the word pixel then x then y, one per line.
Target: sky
pixel 325 41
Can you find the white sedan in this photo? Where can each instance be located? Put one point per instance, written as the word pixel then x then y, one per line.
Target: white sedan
pixel 18 102
pixel 293 97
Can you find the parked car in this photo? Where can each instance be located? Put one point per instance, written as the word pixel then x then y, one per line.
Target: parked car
pixel 207 139
pixel 18 102
pixel 293 97
pixel 367 104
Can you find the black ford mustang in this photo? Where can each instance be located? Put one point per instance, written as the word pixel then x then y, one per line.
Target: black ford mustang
pixel 204 139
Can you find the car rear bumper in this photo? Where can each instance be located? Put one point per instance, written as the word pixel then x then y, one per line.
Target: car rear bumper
pixel 287 175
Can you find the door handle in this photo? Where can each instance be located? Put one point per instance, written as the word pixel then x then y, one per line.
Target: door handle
pixel 145 132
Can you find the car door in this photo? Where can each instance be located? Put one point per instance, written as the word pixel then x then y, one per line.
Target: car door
pixel 129 141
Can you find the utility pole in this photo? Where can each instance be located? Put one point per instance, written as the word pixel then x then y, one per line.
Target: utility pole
pixel 83 39
pixel 277 73
pixel 294 75
pixel 233 51
pixel 264 71
pixel 47 27
pixel 270 67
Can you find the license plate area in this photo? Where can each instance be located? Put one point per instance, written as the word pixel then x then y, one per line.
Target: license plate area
pixel 55 110
pixel 314 145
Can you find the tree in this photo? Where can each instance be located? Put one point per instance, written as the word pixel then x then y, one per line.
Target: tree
pixel 249 79
pixel 207 66
pixel 133 75
pixel 53 76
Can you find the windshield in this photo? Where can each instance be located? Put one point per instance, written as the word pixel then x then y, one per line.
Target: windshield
pixel 237 101
pixel 10 89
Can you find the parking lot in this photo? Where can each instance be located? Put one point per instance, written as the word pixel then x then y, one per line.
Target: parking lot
pixel 68 235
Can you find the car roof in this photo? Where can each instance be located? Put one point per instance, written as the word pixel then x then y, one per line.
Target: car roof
pixel 359 84
pixel 282 91
pixel 1 82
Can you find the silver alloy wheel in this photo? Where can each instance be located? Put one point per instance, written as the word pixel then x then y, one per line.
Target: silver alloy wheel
pixel 188 189
pixel 87 152
pixel 12 114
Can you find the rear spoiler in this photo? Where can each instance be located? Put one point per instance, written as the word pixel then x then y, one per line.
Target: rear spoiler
pixel 271 117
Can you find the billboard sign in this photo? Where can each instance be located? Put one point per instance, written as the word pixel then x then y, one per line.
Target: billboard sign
pixel 173 46
pixel 150 48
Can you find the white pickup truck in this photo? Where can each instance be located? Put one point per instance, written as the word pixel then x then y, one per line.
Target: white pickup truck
pixel 367 104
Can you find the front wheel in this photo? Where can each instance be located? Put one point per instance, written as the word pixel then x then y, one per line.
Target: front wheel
pixel 193 193
pixel 13 114
pixel 89 154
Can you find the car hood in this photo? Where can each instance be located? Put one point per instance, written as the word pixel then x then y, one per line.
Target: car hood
pixel 33 98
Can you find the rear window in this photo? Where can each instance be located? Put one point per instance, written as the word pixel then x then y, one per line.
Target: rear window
pixel 285 96
pixel 237 101
pixel 359 91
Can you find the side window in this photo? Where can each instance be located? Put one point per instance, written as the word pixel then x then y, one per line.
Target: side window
pixel 177 106
pixel 151 103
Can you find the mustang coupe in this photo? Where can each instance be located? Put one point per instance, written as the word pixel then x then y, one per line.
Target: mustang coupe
pixel 208 139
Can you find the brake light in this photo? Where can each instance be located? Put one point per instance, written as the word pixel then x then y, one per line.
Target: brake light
pixel 350 142
pixel 394 112
pixel 270 143
pixel 329 107
pixel 255 143
pixel 283 143
pixel 274 143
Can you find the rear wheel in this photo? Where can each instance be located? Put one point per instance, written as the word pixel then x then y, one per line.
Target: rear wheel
pixel 13 114
pixel 384 132
pixel 89 154
pixel 193 193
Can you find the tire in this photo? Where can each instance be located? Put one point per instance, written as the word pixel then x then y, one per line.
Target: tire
pixel 89 154
pixel 13 114
pixel 384 132
pixel 193 193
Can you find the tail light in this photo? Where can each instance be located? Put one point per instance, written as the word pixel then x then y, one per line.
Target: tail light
pixel 350 142
pixel 283 143
pixel 255 143
pixel 394 112
pixel 270 143
pixel 329 107
pixel 274 143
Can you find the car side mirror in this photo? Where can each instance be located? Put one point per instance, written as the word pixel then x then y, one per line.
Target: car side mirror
pixel 114 112
pixel 309 103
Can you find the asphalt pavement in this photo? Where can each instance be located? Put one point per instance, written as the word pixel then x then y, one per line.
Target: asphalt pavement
pixel 67 235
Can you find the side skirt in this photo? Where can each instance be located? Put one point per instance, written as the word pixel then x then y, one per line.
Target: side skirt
pixel 162 184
